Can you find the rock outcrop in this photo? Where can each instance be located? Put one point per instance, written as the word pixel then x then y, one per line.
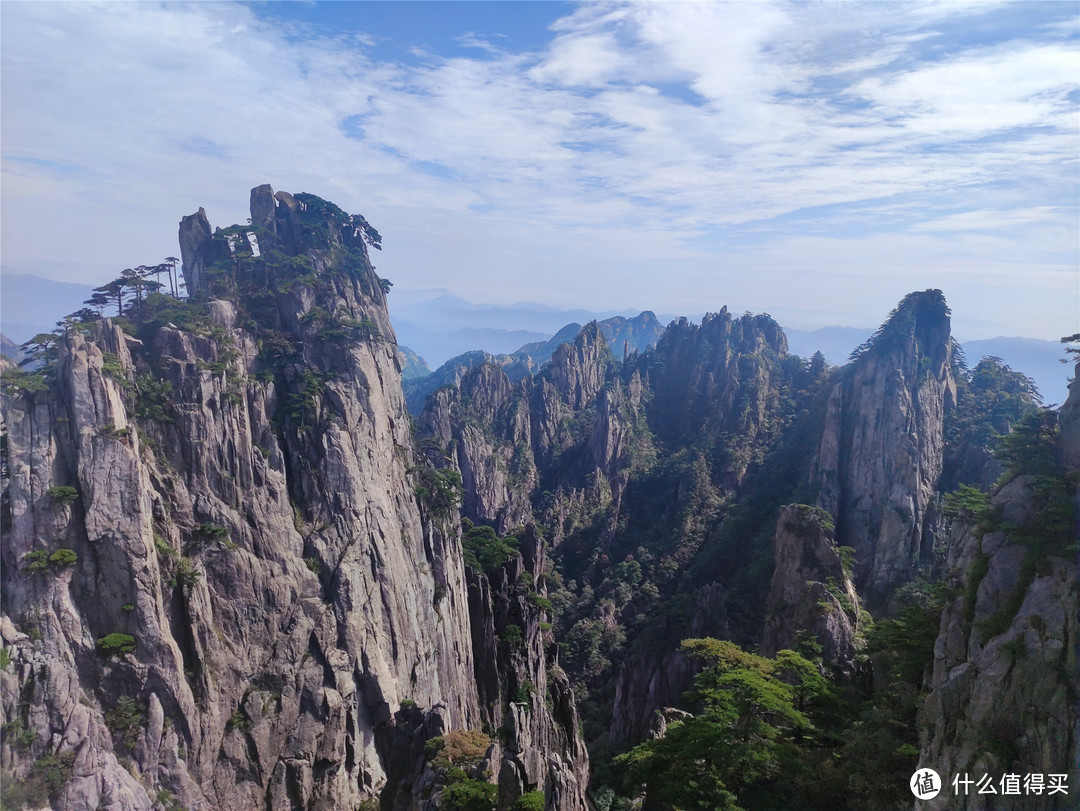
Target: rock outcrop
pixel 881 451
pixel 811 591
pixel 220 586
pixel 1005 678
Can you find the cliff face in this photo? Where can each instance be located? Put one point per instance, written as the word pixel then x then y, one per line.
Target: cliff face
pixel 811 590
pixel 254 608
pixel 881 451
pixel 1004 683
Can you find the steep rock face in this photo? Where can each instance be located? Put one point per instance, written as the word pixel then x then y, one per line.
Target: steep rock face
pixel 195 241
pixel 503 436
pixel 531 697
pixel 714 378
pixel 881 451
pixel 651 681
pixel 1004 683
pixel 1070 424
pixel 254 532
pixel 459 427
pixel 811 590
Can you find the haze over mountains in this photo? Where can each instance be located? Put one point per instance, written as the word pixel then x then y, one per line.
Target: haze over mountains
pixel 438 325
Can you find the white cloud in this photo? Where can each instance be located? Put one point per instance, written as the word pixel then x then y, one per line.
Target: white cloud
pixel 682 135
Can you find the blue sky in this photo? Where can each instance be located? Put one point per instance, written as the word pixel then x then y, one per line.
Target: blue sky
pixel 812 160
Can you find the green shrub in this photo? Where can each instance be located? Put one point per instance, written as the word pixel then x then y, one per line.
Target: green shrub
pixel 63 557
pixel 540 601
pixel 5 659
pixel 153 398
pixel 40 560
pixel 63 494
pixel 239 722
pixel 163 547
pixel 485 550
pixel 524 694
pixel 36 561
pixel 470 795
pixel 185 574
pixel 125 720
pixel 112 644
pixel 529 801
pixel 17 733
pixel 512 636
pixel 461 747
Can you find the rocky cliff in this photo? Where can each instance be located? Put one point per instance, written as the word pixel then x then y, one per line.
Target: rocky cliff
pixel 881 451
pixel 225 584
pixel 811 590
pixel 1005 677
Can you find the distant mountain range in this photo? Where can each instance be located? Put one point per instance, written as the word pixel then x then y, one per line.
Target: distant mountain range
pixel 437 326
pixel 30 304
pixel 623 335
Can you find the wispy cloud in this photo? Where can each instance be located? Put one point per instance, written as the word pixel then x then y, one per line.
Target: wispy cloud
pixel 648 154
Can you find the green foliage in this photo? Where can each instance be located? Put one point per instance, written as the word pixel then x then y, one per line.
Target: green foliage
pixel 63 494
pixel 304 405
pixel 847 559
pixel 439 490
pixel 529 801
pixel 110 431
pixel 980 565
pixel 125 721
pixel 524 694
pixel 902 325
pixel 239 722
pixel 750 718
pixel 63 557
pixel 512 636
pixel 1030 447
pixel 906 642
pixel 36 561
pixel 470 795
pixel 112 367
pixel 153 398
pixel 486 550
pixel 540 601
pixel 5 659
pixel 966 502
pixel 18 734
pixel 48 777
pixel 115 643
pixel 16 380
pixel 185 574
pixel 213 533
pixel 462 748
pixel 163 547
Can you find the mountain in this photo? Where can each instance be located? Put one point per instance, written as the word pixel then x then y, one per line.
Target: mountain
pixel 229 579
pixel 717 485
pixel 414 366
pixel 624 567
pixel 1040 360
pixel 9 349
pixel 632 334
pixel 31 304
pixel 440 325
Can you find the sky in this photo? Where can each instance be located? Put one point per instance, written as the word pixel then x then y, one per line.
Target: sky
pixel 813 160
